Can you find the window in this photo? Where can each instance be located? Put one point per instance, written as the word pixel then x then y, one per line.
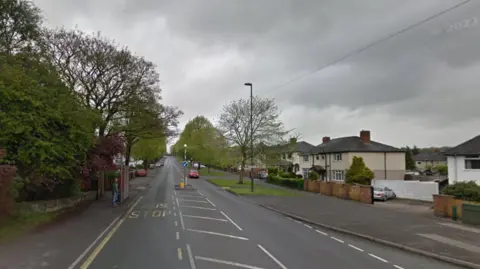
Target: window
pixel 337 157
pixel 305 172
pixel 323 157
pixel 305 158
pixel 338 175
pixel 317 157
pixel 472 163
pixel 419 162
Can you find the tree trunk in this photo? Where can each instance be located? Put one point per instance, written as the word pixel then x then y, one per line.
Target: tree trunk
pixel 242 170
pixel 128 149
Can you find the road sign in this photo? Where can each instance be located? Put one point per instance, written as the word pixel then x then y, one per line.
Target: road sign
pixel 185 164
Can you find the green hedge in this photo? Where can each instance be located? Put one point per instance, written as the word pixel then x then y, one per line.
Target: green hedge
pixel 294 183
pixel 467 191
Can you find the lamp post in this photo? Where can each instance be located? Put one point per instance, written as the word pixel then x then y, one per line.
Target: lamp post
pixel 248 84
pixel 185 159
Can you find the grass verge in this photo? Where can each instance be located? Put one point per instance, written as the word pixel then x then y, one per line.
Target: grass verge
pixel 244 189
pixel 21 222
pixel 206 173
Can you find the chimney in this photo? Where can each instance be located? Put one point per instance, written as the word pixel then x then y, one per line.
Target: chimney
pixel 293 140
pixel 365 136
pixel 325 139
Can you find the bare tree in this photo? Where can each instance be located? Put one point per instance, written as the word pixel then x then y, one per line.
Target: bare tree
pixel 268 130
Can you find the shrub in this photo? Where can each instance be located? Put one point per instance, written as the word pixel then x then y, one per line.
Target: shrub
pixel 287 182
pixel 442 169
pixel 359 173
pixel 468 191
pixel 139 166
pixel 312 175
pixel 272 171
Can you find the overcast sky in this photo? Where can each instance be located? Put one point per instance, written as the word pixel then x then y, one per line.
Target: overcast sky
pixel 420 87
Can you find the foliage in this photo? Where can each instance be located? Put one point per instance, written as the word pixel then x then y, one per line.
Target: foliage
pixel 102 154
pixel 7 173
pixel 409 162
pixel 266 129
pixel 442 169
pixel 149 149
pixel 293 183
pixel 312 175
pixel 19 25
pixel 359 173
pixel 272 170
pixel 468 191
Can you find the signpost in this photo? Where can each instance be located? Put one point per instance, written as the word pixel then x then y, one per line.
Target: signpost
pixel 185 165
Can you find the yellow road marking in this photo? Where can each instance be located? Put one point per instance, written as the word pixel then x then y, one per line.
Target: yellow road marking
pixel 180 257
pixel 105 240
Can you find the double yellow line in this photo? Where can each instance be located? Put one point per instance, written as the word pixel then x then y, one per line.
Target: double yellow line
pixel 105 240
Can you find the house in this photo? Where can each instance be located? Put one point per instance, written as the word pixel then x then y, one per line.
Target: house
pixel 424 160
pixel 464 161
pixel 335 157
pixel 296 157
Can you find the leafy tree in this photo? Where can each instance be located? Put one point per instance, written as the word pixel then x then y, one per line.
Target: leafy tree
pixel 19 25
pixel 149 149
pixel 415 150
pixel 234 123
pixel 409 162
pixel 442 169
pixel 359 173
pixel 312 175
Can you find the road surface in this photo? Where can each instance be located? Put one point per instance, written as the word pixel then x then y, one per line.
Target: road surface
pixel 211 228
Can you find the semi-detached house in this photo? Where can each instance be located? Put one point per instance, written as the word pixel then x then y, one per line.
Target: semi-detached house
pixel 334 156
pixel 297 158
pixel 464 161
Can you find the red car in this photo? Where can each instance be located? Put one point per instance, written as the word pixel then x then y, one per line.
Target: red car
pixel 141 173
pixel 193 174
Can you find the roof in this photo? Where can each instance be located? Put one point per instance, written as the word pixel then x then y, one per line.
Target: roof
pixel 470 147
pixel 352 144
pixel 300 147
pixel 429 156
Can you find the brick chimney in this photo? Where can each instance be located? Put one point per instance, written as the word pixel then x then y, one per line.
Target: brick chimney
pixel 325 139
pixel 365 136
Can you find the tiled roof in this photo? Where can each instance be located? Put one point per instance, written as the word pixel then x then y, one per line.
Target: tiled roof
pixel 352 144
pixel 300 147
pixel 429 156
pixel 470 147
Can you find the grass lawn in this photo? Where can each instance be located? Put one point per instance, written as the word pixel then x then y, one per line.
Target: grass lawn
pixel 204 172
pixel 21 222
pixel 244 189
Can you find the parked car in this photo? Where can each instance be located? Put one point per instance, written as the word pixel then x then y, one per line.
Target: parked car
pixel 193 174
pixel 263 175
pixel 141 173
pixel 383 194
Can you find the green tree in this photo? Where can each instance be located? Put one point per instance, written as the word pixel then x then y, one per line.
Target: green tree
pixel 234 123
pixel 415 150
pixel 359 173
pixel 442 169
pixel 409 162
pixel 149 149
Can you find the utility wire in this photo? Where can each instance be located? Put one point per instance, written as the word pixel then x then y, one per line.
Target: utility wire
pixel 373 44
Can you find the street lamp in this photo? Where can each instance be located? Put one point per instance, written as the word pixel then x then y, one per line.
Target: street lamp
pixel 184 167
pixel 248 84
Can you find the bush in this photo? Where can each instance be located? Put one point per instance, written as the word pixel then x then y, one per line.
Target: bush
pixel 442 169
pixel 359 173
pixel 287 182
pixel 312 175
pixel 272 171
pixel 139 166
pixel 468 191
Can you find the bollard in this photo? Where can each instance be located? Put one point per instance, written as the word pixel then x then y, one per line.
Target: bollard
pixel 182 183
pixel 454 212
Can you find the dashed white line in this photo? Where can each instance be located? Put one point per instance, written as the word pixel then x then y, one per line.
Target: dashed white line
pixel 198 207
pixel 200 193
pixel 320 232
pixel 336 239
pixel 233 222
pixel 308 226
pixel 190 196
pixel 241 265
pixel 177 235
pixel 190 257
pixel 176 223
pixel 181 220
pixel 178 204
pixel 398 267
pixel 194 201
pixel 179 252
pixel 210 202
pixel 354 247
pixel 272 257
pixel 163 213
pixel 297 221
pixel 200 217
pixel 219 234
pixel 376 257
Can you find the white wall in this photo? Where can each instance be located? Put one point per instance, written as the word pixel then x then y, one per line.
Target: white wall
pixel 415 190
pixel 458 173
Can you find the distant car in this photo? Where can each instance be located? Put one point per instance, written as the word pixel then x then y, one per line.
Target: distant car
pixel 141 173
pixel 383 194
pixel 263 175
pixel 193 174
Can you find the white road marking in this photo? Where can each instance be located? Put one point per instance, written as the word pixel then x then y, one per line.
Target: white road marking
pixel 308 226
pixel 398 267
pixel 174 214
pixel 180 256
pixel 163 213
pixel 178 204
pixel 219 234
pixel 297 221
pixel 189 196
pixel 177 235
pixel 190 257
pixel 336 239
pixel 378 258
pixel 174 208
pixel 181 220
pixel 320 232
pixel 176 223
pixel 357 248
pixel 272 257
pixel 210 202
pixel 194 201
pixel 233 222
pixel 200 217
pixel 173 197
pixel 92 244
pixel 289 218
pixel 241 265
pixel 198 207
pixel 200 193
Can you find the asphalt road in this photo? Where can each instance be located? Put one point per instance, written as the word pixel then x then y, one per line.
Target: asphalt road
pixel 211 228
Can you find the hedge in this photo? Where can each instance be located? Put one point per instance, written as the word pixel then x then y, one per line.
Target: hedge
pixel 467 191
pixel 294 183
